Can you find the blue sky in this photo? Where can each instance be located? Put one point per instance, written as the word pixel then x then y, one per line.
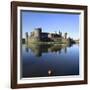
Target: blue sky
pixel 51 22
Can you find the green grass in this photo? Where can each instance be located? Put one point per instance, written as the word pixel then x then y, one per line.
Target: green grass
pixel 47 43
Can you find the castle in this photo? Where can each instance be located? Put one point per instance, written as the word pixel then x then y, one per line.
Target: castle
pixel 38 36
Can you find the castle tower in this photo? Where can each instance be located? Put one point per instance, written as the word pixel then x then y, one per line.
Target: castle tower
pixel 26 36
pixel 37 33
pixel 65 35
pixel 60 34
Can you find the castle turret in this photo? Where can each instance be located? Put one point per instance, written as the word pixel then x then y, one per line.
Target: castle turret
pixel 37 33
pixel 26 37
pixel 60 34
pixel 65 35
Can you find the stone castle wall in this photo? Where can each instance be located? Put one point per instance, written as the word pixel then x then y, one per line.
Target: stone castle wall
pixel 36 36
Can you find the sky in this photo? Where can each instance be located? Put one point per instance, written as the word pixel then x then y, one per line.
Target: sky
pixel 51 22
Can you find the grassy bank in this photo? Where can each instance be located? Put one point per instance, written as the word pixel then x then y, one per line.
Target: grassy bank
pixel 47 42
pixel 51 42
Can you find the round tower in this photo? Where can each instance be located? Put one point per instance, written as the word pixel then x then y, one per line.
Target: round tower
pixel 37 33
pixel 26 37
pixel 65 35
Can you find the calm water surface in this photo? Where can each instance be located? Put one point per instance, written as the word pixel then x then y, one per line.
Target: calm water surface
pixel 50 60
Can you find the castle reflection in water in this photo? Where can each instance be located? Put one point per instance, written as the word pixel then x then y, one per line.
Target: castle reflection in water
pixel 42 48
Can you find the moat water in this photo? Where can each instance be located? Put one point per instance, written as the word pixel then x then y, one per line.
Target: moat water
pixel 49 60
